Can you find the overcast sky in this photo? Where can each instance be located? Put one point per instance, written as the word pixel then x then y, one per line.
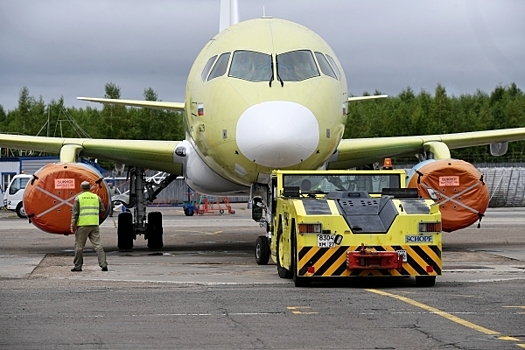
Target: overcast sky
pixel 74 47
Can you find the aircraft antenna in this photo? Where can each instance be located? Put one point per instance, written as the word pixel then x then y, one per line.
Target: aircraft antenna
pixel 264 13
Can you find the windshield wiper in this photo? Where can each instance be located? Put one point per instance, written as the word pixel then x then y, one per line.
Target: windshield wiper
pixel 278 77
pixel 272 77
pixel 336 181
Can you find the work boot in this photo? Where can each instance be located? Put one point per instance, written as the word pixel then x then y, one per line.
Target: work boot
pixel 76 269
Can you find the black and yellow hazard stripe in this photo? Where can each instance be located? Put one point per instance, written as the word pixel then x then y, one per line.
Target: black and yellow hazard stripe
pixel 332 261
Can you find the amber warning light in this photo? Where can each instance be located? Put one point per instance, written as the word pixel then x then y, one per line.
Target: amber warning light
pixel 387 164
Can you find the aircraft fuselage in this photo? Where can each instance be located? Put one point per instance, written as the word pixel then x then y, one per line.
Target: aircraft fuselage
pixel 264 94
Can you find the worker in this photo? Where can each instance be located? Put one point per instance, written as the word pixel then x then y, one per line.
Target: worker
pixel 84 224
pixel 112 192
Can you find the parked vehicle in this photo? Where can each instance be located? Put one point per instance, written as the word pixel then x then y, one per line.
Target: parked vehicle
pixel 14 194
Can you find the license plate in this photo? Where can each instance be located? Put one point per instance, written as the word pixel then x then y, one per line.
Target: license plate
pixel 326 241
pixel 402 254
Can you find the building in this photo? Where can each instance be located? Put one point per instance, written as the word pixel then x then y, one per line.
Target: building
pixel 11 166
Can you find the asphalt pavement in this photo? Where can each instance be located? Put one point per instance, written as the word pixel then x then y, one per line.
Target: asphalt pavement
pixel 203 290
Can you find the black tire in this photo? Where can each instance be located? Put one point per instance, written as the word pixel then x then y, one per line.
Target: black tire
pixel 262 250
pixel 281 271
pixel 425 281
pixel 155 230
pixel 188 211
pixel 297 280
pixel 125 233
pixel 20 211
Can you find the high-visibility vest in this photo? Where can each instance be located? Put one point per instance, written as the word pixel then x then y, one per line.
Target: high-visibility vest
pixel 89 209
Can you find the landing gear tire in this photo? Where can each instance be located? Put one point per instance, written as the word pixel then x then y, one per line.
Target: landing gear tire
pixel 281 271
pixel 262 250
pixel 425 281
pixel 125 231
pixel 298 281
pixel 20 211
pixel 155 230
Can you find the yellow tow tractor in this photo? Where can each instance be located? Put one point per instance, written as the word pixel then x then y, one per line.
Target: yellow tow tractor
pixel 351 223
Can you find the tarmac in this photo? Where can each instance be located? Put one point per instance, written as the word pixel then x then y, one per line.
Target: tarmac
pixel 203 290
pixel 218 249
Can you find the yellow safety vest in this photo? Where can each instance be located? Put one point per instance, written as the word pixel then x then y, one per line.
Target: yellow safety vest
pixel 89 209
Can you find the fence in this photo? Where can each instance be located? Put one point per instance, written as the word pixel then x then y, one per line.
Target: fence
pixel 506 186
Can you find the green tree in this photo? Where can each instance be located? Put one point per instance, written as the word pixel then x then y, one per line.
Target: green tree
pixel 29 116
pixel 114 123
pixel 3 119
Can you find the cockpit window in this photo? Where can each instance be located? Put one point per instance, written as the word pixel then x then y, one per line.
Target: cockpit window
pixel 334 66
pixel 220 66
pixel 207 67
pixel 325 66
pixel 296 66
pixel 251 66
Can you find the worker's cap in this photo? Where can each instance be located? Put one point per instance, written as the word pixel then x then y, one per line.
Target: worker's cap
pixel 85 185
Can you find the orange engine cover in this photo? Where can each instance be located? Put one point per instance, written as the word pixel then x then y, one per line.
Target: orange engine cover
pixel 49 195
pixel 458 186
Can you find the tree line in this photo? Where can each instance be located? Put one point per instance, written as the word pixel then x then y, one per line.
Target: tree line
pixel 33 116
pixel 425 114
pixel 408 113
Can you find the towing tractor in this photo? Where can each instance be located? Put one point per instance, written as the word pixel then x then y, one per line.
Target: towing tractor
pixel 351 223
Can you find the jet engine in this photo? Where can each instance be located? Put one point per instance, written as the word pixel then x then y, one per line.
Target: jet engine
pixel 49 195
pixel 457 186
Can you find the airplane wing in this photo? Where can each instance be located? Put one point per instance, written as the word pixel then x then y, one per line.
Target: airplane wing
pixel 174 106
pixel 356 152
pixel 146 154
pixel 363 98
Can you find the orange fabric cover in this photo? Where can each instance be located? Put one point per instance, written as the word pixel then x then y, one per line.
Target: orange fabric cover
pixel 459 188
pixel 49 195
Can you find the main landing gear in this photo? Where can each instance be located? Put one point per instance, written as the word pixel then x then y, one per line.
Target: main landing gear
pixel 141 192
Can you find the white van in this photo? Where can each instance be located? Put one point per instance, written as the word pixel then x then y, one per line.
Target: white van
pixel 14 194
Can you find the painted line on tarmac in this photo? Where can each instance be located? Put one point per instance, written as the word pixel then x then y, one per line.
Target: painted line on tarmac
pixel 503 279
pixel 212 314
pixel 448 316
pixel 174 282
pixel 297 310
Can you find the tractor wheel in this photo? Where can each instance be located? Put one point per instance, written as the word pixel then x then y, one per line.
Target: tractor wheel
pixel 262 250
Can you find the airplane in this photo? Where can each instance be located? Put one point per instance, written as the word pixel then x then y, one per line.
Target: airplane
pixel 263 94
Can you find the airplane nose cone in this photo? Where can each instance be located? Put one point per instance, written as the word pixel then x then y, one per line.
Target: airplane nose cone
pixel 277 134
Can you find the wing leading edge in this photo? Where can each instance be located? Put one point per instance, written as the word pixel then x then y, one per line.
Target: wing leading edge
pixel 355 152
pixel 174 106
pixel 158 155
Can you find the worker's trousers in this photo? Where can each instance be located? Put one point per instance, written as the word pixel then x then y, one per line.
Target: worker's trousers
pixel 82 234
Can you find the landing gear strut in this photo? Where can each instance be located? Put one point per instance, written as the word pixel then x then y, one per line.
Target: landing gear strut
pixel 141 192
